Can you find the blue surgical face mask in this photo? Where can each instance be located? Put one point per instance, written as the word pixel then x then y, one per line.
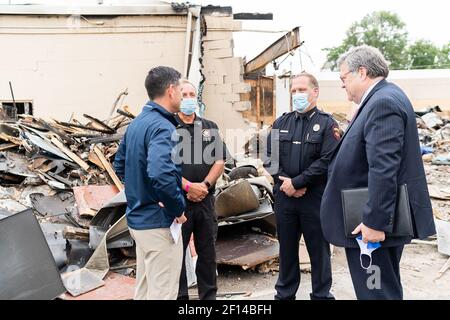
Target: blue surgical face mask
pixel 188 106
pixel 300 101
pixel 367 249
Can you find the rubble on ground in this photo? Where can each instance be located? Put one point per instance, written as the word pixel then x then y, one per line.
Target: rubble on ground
pixel 63 172
pixel 434 133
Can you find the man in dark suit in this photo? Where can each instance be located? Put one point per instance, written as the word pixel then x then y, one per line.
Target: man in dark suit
pixel 380 150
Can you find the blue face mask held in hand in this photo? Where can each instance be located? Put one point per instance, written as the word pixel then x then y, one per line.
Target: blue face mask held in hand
pixel 367 249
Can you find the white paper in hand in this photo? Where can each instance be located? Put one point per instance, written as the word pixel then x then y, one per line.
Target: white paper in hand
pixel 175 230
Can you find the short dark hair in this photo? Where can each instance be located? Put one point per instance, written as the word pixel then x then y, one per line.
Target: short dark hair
pixel 159 79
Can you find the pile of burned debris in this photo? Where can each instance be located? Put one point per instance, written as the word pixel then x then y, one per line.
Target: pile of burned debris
pixel 60 154
pixel 434 133
pixel 60 173
pixel 63 172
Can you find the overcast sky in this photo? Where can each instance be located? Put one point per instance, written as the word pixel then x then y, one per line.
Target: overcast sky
pixel 323 22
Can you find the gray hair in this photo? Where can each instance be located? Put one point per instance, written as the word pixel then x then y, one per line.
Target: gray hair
pixel 367 57
pixel 184 81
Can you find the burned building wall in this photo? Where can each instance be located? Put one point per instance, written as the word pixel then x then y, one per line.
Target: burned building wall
pixel 224 85
pixel 65 64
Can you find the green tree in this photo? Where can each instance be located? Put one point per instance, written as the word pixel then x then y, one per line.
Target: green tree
pixel 422 55
pixel 381 29
pixel 443 59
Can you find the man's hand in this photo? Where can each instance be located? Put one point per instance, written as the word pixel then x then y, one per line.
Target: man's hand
pixel 369 235
pixel 182 219
pixel 287 186
pixel 197 192
pixel 299 193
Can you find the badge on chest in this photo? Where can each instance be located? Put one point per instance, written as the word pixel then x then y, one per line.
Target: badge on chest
pixel 206 133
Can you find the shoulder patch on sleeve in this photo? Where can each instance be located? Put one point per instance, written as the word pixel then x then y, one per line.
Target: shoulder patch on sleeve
pixel 336 131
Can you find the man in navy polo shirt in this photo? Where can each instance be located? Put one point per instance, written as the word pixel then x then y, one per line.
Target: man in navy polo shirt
pixel 153 187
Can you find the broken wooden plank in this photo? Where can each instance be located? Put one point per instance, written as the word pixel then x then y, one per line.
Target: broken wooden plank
pixel 125 123
pixel 96 160
pixel 111 151
pixel 7 146
pixel 33 125
pixel 126 114
pixel 64 137
pixel 100 123
pixel 115 121
pixel 73 233
pixel 70 154
pixel 113 138
pixel 285 44
pixel 8 138
pixel 67 129
pixel 108 168
pixel 82 126
pixel 126 108
pixel 38 162
pixel 88 135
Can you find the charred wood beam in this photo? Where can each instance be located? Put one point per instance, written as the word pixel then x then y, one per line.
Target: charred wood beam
pixel 285 44
pixel 64 136
pixel 252 16
pixel 113 138
pixel 126 114
pixel 100 123
pixel 80 126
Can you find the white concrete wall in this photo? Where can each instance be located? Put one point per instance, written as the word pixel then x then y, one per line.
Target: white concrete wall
pixel 224 82
pixel 65 65
pixel 283 96
pixel 64 69
pixel 423 87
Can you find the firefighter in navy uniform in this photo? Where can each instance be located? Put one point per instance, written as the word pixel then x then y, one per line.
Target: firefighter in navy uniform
pixel 306 138
pixel 203 156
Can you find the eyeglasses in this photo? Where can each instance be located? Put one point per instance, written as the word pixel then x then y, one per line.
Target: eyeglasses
pixel 343 77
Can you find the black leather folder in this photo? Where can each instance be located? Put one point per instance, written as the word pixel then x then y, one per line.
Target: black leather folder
pixel 354 200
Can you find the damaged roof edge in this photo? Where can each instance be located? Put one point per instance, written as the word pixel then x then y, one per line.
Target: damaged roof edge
pixel 158 8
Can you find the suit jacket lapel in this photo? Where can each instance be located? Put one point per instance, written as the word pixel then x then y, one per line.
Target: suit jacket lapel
pixel 379 85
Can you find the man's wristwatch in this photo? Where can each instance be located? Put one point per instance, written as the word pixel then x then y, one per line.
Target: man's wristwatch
pixel 208 185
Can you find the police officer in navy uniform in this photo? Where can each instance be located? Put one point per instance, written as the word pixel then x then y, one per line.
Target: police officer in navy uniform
pixel 203 155
pixel 303 141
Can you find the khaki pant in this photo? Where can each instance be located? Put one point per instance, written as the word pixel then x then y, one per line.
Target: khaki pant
pixel 158 261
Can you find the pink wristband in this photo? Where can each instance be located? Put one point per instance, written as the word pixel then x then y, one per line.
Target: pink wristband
pixel 188 185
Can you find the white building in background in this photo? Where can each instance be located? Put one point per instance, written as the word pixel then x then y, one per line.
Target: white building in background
pixel 425 88
pixel 63 60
